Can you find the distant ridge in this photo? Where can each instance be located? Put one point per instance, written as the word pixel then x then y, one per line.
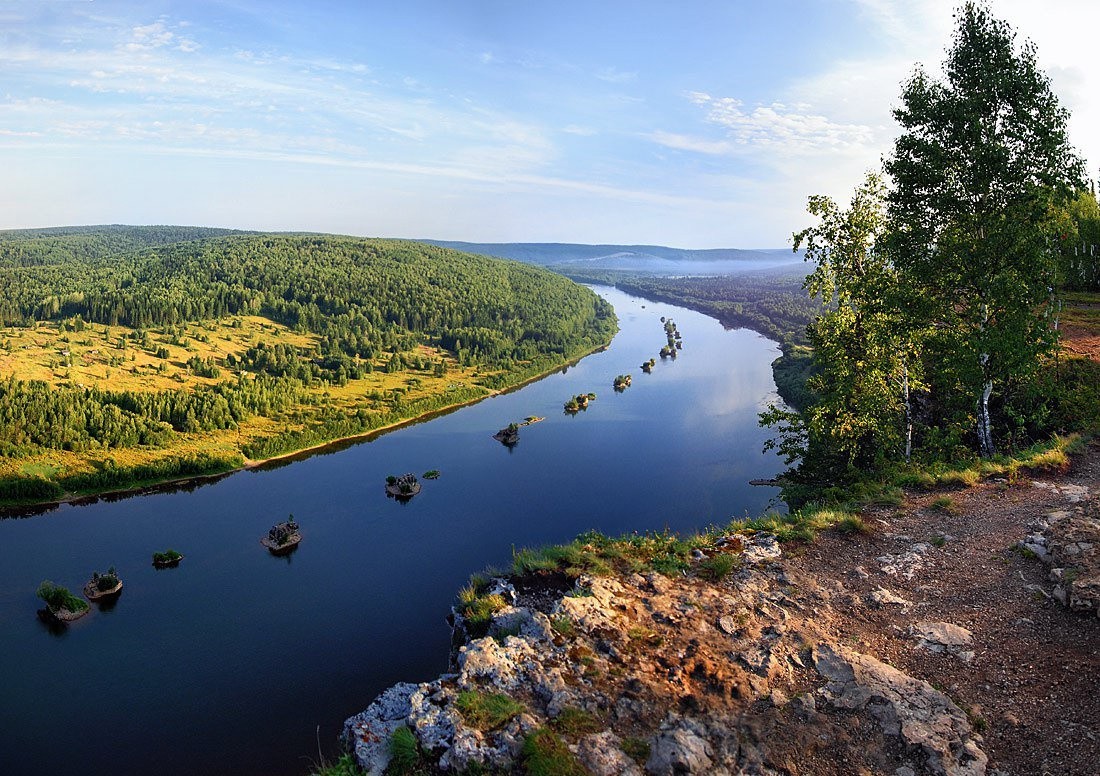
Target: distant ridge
pixel 560 253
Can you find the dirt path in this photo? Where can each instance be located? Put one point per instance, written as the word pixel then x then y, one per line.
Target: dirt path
pixel 1032 687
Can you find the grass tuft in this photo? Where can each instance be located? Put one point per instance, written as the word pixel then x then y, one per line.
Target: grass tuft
pixel 718 567
pixel 545 754
pixel 487 711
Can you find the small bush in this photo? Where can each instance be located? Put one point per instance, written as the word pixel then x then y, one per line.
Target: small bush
pixel 718 567
pixel 478 609
pixel 58 598
pixel 852 524
pixel 966 478
pixel 487 711
pixel 563 626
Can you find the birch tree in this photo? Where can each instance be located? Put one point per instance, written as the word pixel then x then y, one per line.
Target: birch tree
pixel 981 166
pixel 860 420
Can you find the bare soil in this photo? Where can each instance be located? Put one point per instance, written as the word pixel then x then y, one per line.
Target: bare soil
pixel 1033 686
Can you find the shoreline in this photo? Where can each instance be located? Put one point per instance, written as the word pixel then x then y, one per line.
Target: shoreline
pixel 12 509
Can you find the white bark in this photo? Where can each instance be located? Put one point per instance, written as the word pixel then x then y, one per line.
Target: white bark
pixel 908 411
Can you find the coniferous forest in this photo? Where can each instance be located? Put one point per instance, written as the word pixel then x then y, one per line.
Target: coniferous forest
pixel 172 351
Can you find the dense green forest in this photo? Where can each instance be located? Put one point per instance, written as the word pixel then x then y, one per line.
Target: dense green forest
pixel 409 310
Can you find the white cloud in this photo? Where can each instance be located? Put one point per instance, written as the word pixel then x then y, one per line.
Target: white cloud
pixel 775 128
pixel 615 76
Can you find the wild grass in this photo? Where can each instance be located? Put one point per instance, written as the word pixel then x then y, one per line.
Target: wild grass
pixel 718 567
pixel 487 711
pixel 573 723
pixel 546 754
pixel 345 766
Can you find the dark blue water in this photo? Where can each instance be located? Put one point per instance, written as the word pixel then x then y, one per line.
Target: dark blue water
pixel 231 662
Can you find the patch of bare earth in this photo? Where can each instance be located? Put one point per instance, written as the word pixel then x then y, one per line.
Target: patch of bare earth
pixel 1032 684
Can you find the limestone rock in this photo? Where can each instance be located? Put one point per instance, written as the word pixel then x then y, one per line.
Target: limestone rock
pixel 681 746
pixel 905 564
pixel 368 733
pixel 926 720
pixel 882 597
pixel 602 755
pixel 761 548
pixel 943 637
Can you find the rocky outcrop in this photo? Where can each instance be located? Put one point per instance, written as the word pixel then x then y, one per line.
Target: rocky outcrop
pixel 646 673
pixel 934 731
pixel 1068 540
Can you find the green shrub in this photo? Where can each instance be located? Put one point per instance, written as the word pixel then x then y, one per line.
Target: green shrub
pixel 487 711
pixel 945 504
pixel 852 524
pixel 563 626
pixel 58 598
pixel 718 567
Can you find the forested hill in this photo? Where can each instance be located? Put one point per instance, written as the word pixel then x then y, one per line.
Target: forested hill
pixel 63 244
pixel 189 354
pixel 361 295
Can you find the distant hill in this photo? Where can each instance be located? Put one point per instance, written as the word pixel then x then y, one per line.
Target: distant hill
pixel 646 259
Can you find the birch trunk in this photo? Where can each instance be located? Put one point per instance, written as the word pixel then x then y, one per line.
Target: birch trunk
pixel 985 425
pixel 908 411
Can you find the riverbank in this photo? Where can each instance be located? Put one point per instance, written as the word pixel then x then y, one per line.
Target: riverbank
pixel 923 641
pixel 140 486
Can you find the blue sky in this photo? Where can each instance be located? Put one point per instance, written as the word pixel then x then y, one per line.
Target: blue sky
pixel 692 124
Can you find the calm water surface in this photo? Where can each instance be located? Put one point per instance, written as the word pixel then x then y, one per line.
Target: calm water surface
pixel 231 662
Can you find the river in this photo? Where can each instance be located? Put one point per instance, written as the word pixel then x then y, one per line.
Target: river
pixel 238 661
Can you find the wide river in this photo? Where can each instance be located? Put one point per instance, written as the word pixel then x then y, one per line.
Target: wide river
pixel 239 662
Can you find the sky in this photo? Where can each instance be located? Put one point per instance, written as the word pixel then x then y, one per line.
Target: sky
pixel 693 124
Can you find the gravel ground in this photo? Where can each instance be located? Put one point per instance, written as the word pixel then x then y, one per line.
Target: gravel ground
pixel 1032 686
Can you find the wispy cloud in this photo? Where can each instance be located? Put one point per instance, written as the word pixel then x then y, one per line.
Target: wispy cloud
pixel 615 76
pixel 780 128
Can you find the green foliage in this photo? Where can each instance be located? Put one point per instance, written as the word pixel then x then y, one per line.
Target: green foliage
pixel 58 598
pixel 545 754
pixel 363 300
pixel 939 294
pixel 168 556
pixel 406 757
pixel 478 606
pixel 981 170
pixel 563 626
pixel 573 723
pixel 106 581
pixel 718 567
pixel 800 525
pixel 852 524
pixel 636 749
pixel 487 711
